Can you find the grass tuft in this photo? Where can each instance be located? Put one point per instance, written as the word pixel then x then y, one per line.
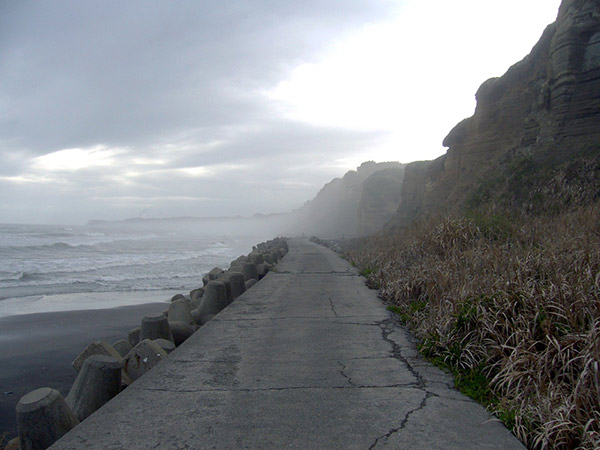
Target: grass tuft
pixel 511 306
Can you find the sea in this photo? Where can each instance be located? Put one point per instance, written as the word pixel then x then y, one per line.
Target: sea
pixel 46 268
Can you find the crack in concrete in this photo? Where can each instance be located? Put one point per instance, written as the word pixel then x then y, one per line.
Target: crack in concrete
pixel 363 324
pixel 332 307
pixel 403 423
pixel 388 326
pixel 343 373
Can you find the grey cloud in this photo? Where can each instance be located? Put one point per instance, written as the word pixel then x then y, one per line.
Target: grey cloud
pixel 275 170
pixel 175 81
pixel 79 73
pixel 292 142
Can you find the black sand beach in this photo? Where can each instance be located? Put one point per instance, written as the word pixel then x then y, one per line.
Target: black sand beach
pixel 36 350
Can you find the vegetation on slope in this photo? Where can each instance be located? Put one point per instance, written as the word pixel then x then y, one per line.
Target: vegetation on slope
pixel 511 305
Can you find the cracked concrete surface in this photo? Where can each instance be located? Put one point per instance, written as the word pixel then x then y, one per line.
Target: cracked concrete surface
pixel 309 358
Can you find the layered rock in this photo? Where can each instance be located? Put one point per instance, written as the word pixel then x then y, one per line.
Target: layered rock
pixel 547 104
pixel 379 200
pixel 334 212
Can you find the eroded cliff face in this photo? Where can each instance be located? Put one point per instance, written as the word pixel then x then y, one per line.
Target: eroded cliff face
pixel 334 212
pixel 547 103
pixel 379 201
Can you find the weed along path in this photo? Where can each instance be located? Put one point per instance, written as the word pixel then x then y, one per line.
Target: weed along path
pixel 309 358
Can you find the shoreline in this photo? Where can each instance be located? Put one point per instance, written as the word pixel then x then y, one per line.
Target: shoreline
pixel 42 335
pixel 37 349
pixel 81 301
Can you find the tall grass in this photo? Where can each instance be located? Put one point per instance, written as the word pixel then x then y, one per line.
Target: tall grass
pixel 3 439
pixel 516 300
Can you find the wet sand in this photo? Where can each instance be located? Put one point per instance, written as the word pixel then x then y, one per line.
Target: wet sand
pixel 36 350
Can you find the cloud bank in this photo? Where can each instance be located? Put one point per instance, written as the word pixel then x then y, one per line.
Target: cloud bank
pixel 209 108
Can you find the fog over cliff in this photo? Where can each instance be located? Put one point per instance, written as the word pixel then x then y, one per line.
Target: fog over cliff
pixel 116 109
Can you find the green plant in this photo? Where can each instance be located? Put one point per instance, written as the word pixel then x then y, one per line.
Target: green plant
pixel 493 226
pixel 473 383
pixel 366 272
pixel 403 316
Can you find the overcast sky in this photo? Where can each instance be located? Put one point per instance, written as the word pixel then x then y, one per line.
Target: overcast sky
pixel 112 109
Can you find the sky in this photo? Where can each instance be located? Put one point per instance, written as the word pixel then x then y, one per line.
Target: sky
pixel 114 109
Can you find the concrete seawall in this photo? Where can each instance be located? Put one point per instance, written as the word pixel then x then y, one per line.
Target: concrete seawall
pixel 308 358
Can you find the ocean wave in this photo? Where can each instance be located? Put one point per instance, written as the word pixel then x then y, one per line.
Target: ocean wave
pixel 27 276
pixel 19 279
pixel 19 276
pixel 10 276
pixel 106 267
pixel 64 241
pixel 43 247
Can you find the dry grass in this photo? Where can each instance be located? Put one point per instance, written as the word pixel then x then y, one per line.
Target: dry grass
pixel 3 439
pixel 516 300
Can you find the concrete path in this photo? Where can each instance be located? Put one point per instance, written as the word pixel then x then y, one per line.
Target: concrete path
pixel 309 358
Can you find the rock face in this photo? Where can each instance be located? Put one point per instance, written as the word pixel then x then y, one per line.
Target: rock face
pixel 549 103
pixel 380 198
pixel 334 212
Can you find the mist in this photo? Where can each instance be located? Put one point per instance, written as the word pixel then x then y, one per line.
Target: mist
pixel 208 110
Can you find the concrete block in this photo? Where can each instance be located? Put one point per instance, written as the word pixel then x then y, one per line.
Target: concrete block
pixel 167 346
pixel 142 358
pixel 256 257
pixel 98 381
pixel 181 331
pixel 224 277
pixel 43 417
pixel 207 318
pixel 214 273
pixel 262 270
pixel 196 294
pixel 250 283
pixel 122 347
pixel 236 266
pixel 96 348
pixel 180 311
pixel 197 317
pixel 214 299
pixel 236 279
pixel 134 336
pixel 249 271
pixel 177 297
pixel 155 327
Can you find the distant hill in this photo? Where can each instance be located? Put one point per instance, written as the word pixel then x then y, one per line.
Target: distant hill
pixel 263 225
pixel 534 140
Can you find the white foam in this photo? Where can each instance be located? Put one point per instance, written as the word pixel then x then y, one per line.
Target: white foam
pixel 81 301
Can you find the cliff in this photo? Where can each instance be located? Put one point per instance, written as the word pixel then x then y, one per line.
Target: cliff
pixel 545 111
pixel 380 198
pixel 360 202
